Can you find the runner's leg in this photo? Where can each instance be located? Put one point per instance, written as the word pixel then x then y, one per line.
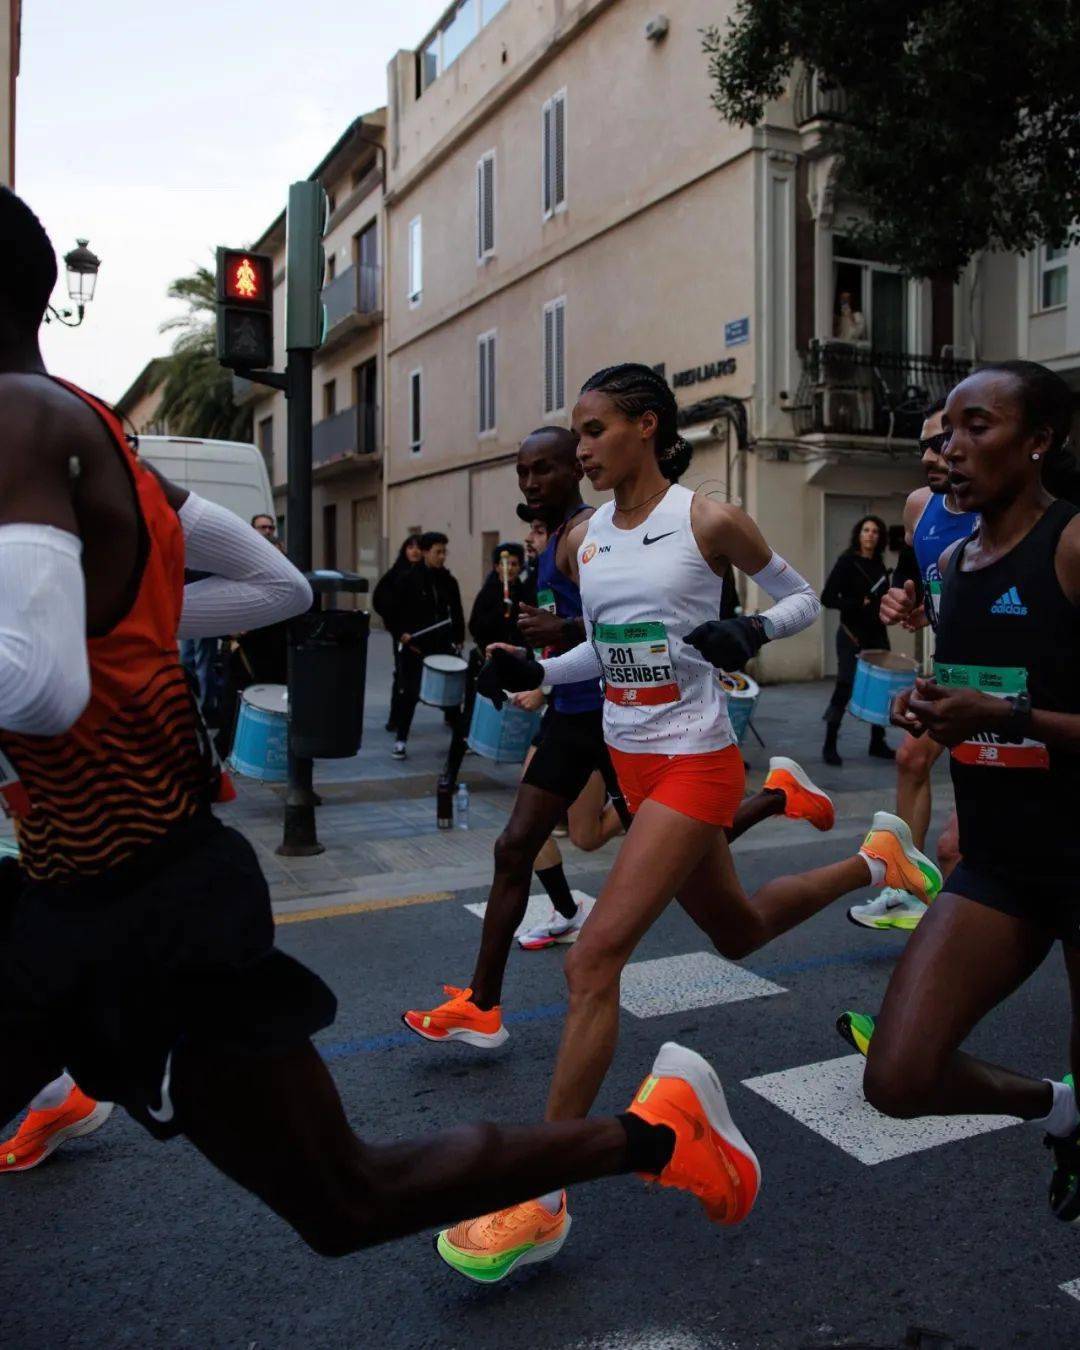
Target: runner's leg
pixel 915 757
pixel 592 823
pixel 276 1126
pixel 948 846
pixel 937 993
pixel 535 814
pixel 28 1066
pixel 753 810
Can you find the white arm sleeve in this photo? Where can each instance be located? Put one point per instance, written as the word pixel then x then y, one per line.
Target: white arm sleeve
pixel 44 669
pixel 797 605
pixel 253 583
pixel 579 663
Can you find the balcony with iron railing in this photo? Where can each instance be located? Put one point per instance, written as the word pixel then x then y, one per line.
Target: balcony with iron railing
pixel 345 436
pixel 849 389
pixel 353 300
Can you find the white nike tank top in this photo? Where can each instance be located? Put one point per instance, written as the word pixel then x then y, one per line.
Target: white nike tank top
pixel 642 591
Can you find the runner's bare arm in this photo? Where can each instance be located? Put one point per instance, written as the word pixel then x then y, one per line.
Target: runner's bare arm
pixel 913 509
pixel 572 541
pixel 724 533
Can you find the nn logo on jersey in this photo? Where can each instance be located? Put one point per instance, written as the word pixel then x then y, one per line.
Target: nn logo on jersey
pixel 1009 603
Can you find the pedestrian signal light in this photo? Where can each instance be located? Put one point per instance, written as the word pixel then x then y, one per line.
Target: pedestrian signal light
pixel 245 309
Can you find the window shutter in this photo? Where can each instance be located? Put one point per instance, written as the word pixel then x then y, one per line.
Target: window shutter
pixel 547 158
pixel 487 214
pixel 560 356
pixel 559 153
pixel 491 413
pixel 549 360
pixel 415 410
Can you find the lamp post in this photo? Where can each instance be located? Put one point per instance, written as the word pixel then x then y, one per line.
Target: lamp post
pixel 82 268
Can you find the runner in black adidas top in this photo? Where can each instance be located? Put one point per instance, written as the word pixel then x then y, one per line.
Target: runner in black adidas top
pixel 1005 699
pixel 570 751
pixel 140 952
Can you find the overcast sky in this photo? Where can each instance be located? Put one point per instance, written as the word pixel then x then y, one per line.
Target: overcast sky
pixel 159 131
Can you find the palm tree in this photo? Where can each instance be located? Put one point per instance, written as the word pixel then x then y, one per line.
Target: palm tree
pixel 197 392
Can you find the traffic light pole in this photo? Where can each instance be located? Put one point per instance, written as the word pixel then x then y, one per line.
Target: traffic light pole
pixel 299 838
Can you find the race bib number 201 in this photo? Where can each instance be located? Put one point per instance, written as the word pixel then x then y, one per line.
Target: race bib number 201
pixel 636 658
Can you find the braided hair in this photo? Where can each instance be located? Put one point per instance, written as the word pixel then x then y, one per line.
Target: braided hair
pixel 635 389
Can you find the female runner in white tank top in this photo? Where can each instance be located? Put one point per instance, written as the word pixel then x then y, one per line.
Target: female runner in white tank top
pixel 650 565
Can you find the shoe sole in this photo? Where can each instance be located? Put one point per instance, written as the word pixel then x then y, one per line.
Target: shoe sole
pixel 94 1121
pixel 886 823
pixel 676 1061
pixel 875 925
pixel 540 1252
pixel 563 940
pixel 482 1040
pixel 804 781
pixel 843 1027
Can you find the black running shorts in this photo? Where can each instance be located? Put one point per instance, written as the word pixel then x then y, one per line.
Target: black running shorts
pixel 111 976
pixel 570 750
pixel 1048 903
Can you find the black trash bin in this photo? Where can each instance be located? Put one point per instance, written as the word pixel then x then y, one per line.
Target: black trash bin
pixel 328 671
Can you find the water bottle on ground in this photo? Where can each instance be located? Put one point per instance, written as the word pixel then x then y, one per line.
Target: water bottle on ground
pixel 461 807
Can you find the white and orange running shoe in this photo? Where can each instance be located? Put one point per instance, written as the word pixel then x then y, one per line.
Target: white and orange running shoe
pixel 42 1132
pixel 803 799
pixel 711 1160
pixel 458 1019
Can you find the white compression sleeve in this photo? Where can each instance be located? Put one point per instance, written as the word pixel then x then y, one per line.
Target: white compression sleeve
pixel 253 583
pixel 44 669
pixel 797 604
pixel 579 663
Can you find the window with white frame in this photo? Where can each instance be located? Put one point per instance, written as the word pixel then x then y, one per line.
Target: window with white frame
pixel 555 356
pixel 485 383
pixel 553 130
pixel 416 411
pixel 1053 275
pixel 485 206
pixel 416 260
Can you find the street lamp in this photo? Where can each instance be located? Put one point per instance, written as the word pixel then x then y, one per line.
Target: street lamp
pixel 82 269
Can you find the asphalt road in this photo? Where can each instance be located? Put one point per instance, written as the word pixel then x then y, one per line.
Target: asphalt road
pixel 120 1241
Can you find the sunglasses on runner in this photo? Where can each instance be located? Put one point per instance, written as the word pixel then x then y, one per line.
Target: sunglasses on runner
pixel 934 443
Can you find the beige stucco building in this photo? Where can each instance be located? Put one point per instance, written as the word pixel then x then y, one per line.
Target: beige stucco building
pixel 139 404
pixel 561 196
pixel 347 393
pixel 10 26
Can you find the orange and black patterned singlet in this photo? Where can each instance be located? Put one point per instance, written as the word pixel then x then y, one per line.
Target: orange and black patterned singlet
pixel 136 763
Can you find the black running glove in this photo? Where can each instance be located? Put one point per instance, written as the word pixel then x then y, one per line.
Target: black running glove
pixel 729 643
pixel 506 670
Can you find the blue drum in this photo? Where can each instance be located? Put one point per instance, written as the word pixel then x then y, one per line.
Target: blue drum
pixel 504 735
pixel 742 696
pixel 261 744
pixel 442 684
pixel 879 677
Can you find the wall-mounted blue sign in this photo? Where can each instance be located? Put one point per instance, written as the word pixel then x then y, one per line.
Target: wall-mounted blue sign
pixel 737 332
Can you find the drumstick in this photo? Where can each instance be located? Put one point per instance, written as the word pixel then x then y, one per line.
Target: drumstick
pixel 504 564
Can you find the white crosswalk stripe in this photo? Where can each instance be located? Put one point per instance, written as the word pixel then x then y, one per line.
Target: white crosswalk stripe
pixel 828 1099
pixel 538 910
pixel 672 984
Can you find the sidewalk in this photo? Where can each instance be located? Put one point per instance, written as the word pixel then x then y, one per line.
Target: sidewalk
pixel 377 820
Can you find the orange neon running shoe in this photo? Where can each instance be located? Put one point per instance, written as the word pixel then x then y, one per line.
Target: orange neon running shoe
pixel 42 1132
pixel 459 1019
pixel 487 1249
pixel 711 1160
pixel 803 800
pixel 906 868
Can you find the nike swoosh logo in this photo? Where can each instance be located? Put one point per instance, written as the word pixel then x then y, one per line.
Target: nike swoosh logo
pixel 164 1113
pixel 699 1129
pixel 657 537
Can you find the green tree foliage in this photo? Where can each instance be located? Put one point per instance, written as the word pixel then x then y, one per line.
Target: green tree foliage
pixel 197 395
pixel 962 129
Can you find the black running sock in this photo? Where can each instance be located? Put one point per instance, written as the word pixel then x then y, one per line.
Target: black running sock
pixel 553 880
pixel 648 1147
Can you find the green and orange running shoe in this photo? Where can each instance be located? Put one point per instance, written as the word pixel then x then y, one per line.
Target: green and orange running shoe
pixel 856 1028
pixel 489 1248
pixel 889 841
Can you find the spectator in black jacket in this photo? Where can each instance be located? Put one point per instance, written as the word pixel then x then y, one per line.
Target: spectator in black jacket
pixel 385 604
pixel 426 595
pixel 857 582
pixel 493 618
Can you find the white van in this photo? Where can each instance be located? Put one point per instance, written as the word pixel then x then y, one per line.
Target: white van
pixel 230 473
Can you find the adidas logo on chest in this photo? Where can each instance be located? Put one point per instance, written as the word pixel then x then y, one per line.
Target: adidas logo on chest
pixel 1009 603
